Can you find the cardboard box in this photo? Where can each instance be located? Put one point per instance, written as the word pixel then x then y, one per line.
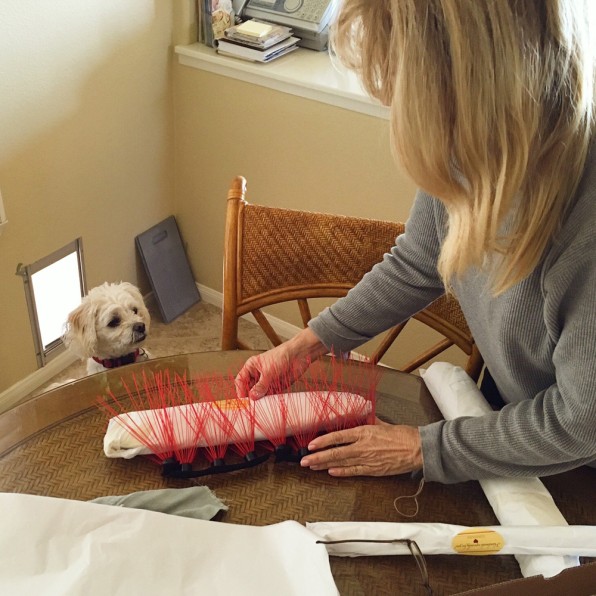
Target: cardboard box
pixel 578 581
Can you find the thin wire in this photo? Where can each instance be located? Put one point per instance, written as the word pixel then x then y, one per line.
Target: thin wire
pixel 414 496
pixel 405 541
pixel 412 546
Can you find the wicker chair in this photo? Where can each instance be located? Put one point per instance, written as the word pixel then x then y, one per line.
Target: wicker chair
pixel 274 255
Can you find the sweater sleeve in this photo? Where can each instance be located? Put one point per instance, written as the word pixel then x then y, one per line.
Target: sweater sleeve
pixel 553 432
pixel 403 283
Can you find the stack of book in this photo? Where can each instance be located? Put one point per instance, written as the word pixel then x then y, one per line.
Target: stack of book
pixel 257 41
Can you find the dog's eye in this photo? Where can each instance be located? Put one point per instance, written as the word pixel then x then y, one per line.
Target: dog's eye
pixel 114 322
pixel 135 310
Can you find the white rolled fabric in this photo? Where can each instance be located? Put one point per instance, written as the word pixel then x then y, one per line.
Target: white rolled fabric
pixel 153 431
pixel 516 502
pixel 450 539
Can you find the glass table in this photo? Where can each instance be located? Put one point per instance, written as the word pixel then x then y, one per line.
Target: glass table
pixel 52 445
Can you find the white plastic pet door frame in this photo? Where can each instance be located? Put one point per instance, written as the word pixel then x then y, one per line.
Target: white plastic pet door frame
pixel 54 286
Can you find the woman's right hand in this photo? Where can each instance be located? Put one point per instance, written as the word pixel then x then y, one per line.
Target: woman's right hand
pixel 279 367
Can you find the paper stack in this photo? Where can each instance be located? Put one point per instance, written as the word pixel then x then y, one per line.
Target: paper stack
pixel 257 41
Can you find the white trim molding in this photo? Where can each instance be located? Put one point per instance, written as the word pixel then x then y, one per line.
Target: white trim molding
pixel 305 73
pixel 281 327
pixel 16 393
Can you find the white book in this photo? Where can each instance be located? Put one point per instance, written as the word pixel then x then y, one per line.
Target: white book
pixel 274 56
pixel 266 61
pixel 261 44
pixel 228 48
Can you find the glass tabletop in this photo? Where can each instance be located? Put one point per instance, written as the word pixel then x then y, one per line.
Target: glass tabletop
pixel 52 445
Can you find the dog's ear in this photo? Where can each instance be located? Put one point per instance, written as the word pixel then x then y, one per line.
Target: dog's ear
pixel 80 335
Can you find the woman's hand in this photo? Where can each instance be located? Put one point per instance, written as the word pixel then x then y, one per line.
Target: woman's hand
pixel 279 367
pixel 375 450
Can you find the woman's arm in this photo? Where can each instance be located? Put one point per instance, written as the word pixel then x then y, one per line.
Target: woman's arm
pixel 554 431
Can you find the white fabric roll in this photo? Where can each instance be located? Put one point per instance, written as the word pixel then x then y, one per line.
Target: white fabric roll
pixel 516 502
pixel 152 431
pixel 450 539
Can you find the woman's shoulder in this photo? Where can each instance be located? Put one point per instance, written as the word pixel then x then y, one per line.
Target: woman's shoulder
pixel 428 209
pixel 578 226
pixel 574 245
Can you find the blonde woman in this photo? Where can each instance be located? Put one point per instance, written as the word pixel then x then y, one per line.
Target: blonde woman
pixel 492 115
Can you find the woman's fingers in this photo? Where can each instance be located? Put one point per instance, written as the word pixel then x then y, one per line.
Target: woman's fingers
pixel 372 450
pixel 262 372
pixel 248 377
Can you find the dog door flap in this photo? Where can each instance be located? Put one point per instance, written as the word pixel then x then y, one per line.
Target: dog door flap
pixel 168 269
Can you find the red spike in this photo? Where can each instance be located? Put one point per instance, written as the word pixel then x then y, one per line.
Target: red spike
pixel 271 418
pixel 217 431
pixel 241 413
pixel 306 413
pixel 155 422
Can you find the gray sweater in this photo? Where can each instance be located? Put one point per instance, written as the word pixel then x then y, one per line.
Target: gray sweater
pixel 538 340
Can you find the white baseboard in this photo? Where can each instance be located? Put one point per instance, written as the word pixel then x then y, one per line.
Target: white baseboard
pixel 17 392
pixel 281 327
pixel 210 296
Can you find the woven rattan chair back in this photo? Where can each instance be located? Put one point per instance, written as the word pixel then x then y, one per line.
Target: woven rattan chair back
pixel 274 255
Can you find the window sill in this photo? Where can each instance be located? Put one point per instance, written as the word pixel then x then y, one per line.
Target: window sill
pixel 304 73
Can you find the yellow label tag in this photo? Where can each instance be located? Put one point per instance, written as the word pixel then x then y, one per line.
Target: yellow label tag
pixel 233 404
pixel 477 541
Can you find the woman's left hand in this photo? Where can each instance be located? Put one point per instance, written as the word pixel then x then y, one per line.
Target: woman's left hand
pixel 374 450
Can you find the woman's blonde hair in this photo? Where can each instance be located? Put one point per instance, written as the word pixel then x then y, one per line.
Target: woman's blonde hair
pixel 492 111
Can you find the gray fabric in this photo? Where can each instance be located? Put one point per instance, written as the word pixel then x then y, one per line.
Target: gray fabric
pixel 538 340
pixel 197 502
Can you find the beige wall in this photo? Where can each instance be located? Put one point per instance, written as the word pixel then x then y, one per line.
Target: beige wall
pixel 85 143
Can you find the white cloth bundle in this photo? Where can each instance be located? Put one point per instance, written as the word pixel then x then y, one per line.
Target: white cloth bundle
pixel 55 546
pixel 516 502
pixel 450 539
pixel 129 434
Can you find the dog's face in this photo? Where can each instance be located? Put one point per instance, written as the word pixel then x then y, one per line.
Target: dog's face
pixel 111 321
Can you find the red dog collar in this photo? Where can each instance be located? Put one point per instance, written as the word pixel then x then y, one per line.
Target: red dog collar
pixel 120 361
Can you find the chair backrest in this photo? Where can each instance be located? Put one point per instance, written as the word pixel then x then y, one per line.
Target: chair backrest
pixel 274 255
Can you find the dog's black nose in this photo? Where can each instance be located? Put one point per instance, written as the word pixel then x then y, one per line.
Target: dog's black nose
pixel 139 328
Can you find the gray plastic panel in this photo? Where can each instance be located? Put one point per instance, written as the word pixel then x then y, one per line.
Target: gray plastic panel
pixel 168 269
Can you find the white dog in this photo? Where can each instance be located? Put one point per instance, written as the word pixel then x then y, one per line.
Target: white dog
pixel 109 327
